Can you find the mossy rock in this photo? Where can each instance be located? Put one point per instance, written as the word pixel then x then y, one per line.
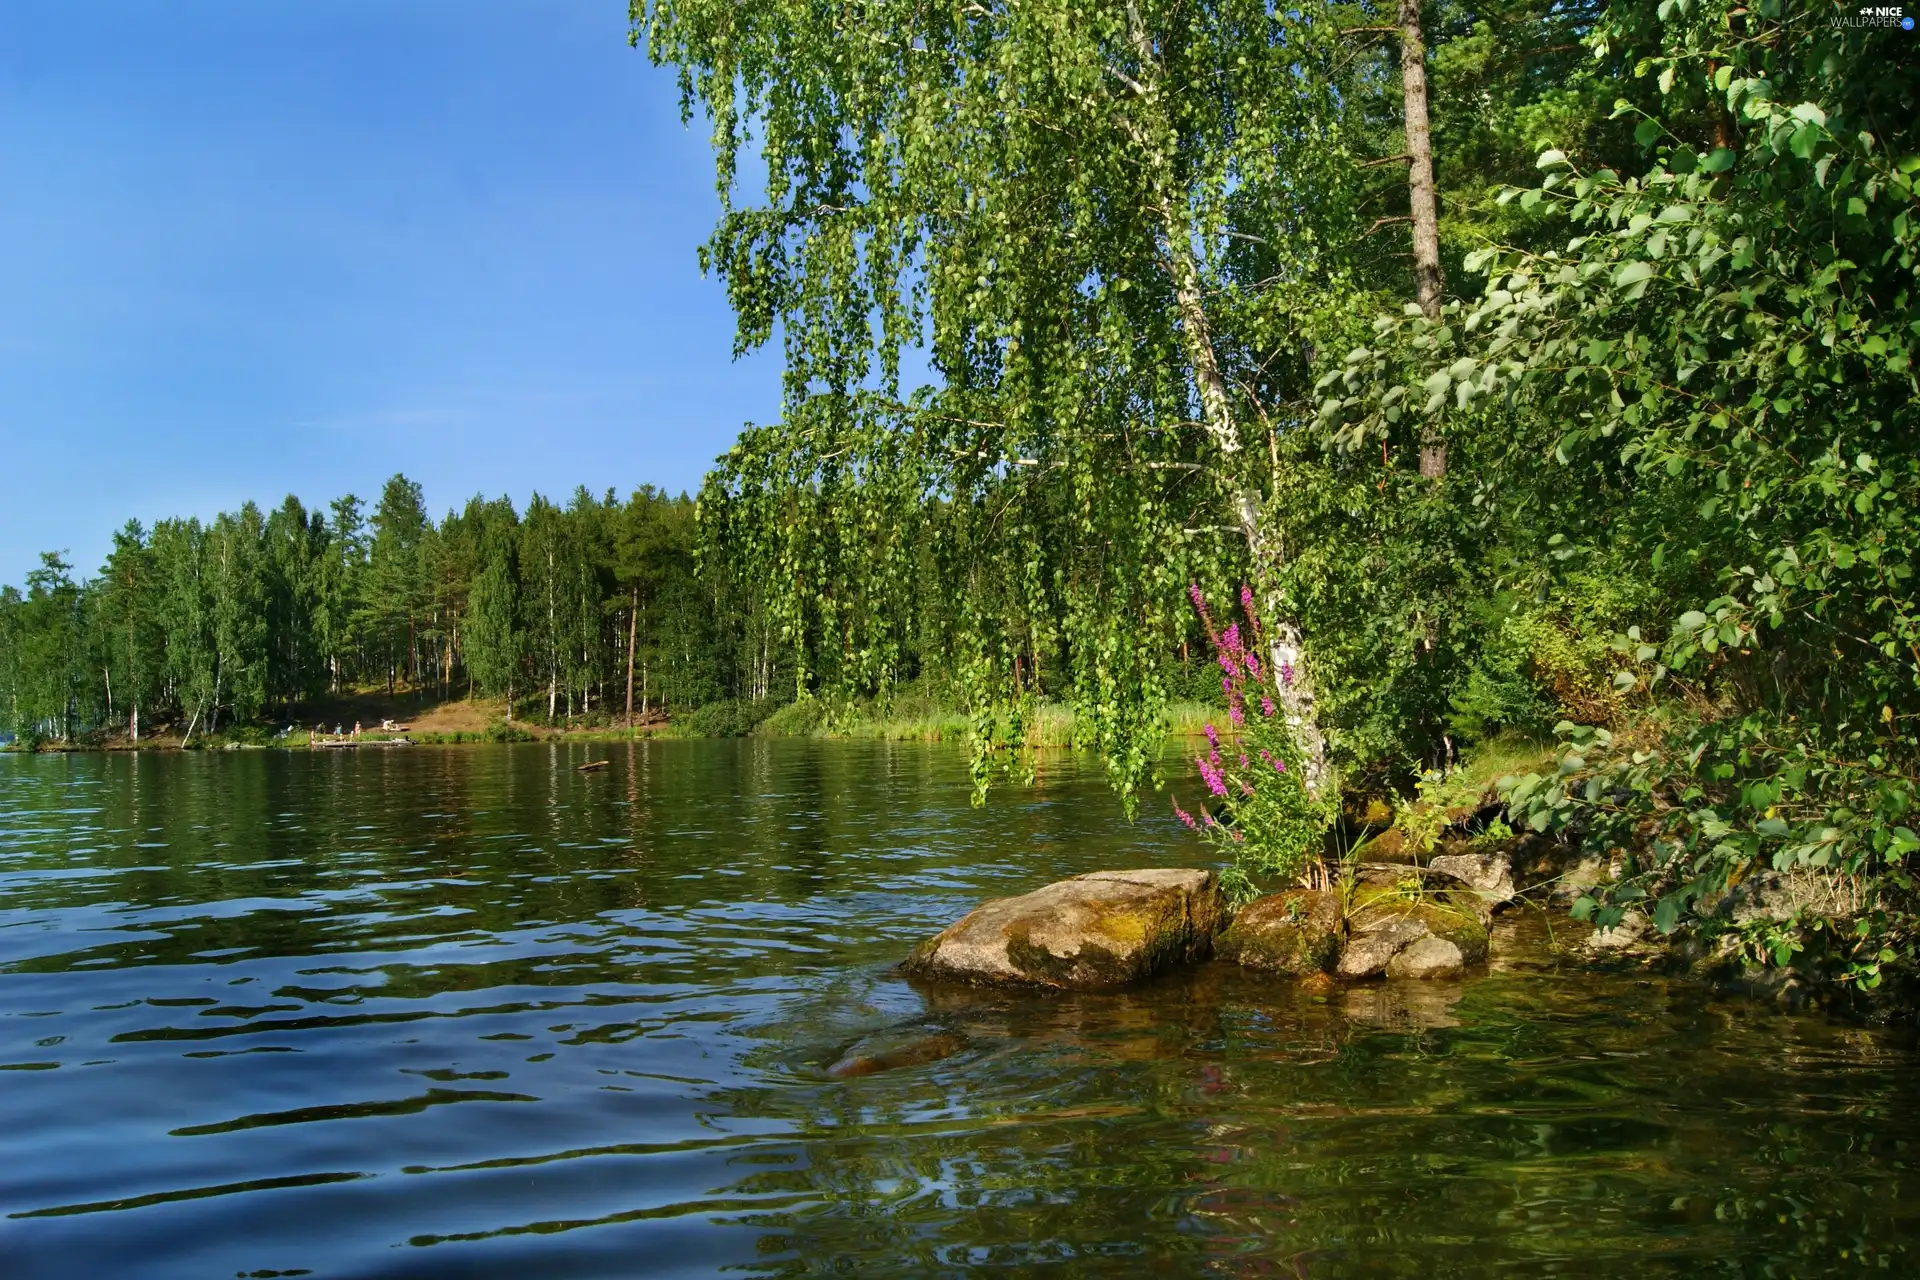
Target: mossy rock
pixel 1383 922
pixel 1095 931
pixel 1297 932
pixel 1389 846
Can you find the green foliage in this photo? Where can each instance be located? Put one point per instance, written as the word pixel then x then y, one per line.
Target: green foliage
pixel 216 627
pixel 1707 805
pixel 1260 812
pixel 1702 378
pixel 1112 226
pixel 1423 819
pixel 733 718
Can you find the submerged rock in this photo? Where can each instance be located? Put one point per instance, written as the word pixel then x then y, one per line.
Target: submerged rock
pixel 890 1051
pixel 1430 957
pixel 1623 936
pixel 1297 932
pixel 1369 951
pixel 1105 929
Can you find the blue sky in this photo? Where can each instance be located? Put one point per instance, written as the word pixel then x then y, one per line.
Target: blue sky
pixel 253 247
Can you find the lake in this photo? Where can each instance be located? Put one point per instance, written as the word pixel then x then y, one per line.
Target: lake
pixel 469 1012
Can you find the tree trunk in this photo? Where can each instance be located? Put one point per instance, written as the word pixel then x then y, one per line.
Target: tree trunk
pixel 1422 202
pixel 133 721
pixel 633 633
pixel 1196 336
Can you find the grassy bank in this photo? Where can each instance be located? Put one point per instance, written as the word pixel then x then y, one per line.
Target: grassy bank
pixel 1052 724
pixel 905 719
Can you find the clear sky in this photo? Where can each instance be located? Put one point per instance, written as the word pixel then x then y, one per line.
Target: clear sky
pixel 253 247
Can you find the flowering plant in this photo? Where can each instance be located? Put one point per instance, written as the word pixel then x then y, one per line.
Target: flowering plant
pixel 1258 809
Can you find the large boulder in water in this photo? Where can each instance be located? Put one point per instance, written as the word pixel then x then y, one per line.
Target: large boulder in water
pixel 1105 929
pixel 1297 932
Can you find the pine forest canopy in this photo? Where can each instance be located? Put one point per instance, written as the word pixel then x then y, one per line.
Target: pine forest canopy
pixel 590 607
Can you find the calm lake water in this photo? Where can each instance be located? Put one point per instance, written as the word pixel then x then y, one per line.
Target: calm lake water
pixel 468 1012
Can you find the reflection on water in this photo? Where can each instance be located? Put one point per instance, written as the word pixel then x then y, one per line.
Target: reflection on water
pixel 470 1012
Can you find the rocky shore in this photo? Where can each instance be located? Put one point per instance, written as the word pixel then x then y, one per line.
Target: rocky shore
pixel 1390 916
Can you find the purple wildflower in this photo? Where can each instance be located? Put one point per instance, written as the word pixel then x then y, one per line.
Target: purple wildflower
pixel 1235 714
pixel 1210 772
pixel 1185 817
pixel 1253 664
pixel 1286 674
pixel 1200 607
pixel 1246 788
pixel 1230 643
pixel 1246 599
pixel 1213 738
pixel 1266 706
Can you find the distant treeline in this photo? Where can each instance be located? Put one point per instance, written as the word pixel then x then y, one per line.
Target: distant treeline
pixel 591 610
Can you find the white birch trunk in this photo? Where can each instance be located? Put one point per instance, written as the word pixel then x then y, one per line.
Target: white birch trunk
pixel 1216 405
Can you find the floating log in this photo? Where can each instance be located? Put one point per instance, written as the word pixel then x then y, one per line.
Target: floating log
pixel 591 765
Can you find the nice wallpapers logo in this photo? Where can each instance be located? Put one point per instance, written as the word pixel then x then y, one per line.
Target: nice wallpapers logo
pixel 1877 16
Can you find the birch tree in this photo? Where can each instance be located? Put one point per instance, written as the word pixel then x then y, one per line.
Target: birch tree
pixel 1053 199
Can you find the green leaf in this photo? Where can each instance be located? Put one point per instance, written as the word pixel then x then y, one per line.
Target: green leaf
pixel 1719 160
pixel 1632 272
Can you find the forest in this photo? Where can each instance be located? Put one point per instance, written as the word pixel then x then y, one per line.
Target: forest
pixel 590 612
pixel 1508 368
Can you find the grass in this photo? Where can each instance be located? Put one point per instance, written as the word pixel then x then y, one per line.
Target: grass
pixel 1485 763
pixel 913 719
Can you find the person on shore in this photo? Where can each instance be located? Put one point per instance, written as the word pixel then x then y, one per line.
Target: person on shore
pixel 356 730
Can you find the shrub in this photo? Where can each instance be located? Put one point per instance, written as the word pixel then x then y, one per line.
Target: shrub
pixel 503 731
pixel 734 718
pixel 1259 811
